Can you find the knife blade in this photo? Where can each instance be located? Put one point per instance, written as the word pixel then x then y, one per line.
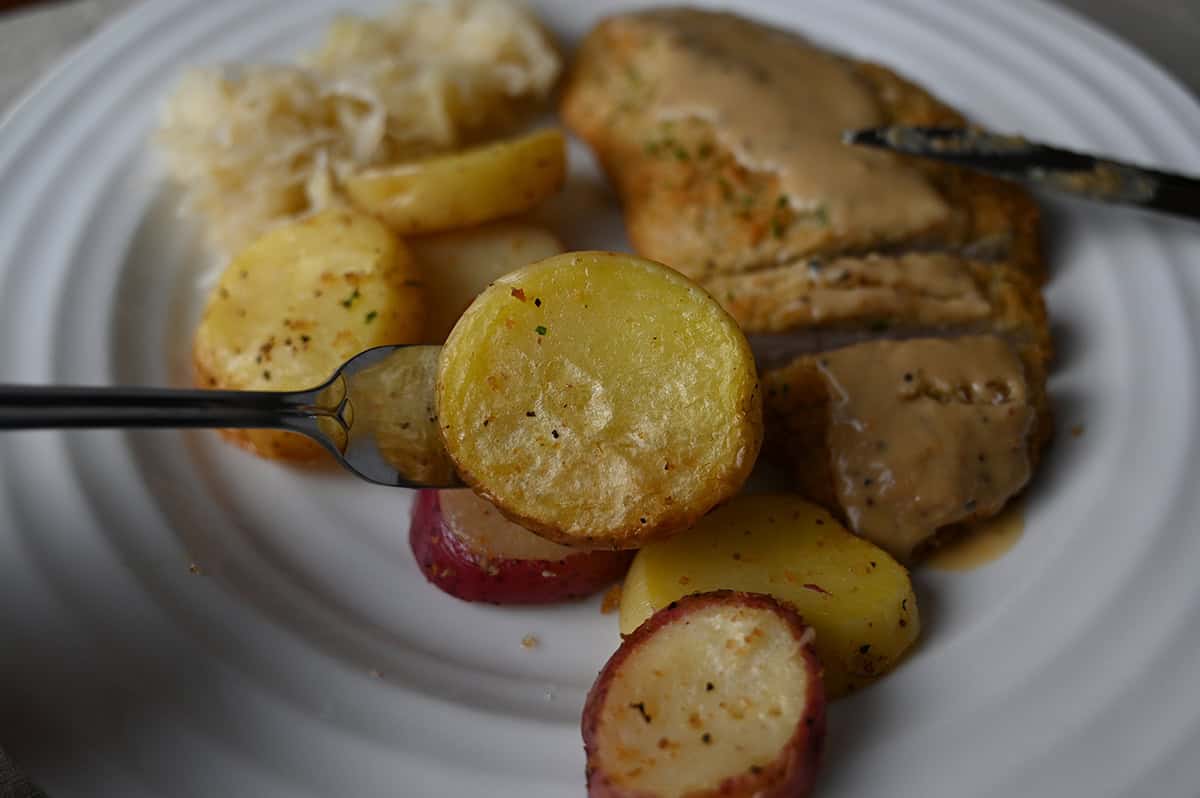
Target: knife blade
pixel 1017 158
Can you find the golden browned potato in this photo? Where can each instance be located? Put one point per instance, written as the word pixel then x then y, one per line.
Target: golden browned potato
pixel 465 188
pixel 859 600
pixel 600 399
pixel 458 265
pixel 297 303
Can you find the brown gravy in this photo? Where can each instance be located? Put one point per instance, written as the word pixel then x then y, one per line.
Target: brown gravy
pixel 982 543
pixel 781 105
pixel 925 433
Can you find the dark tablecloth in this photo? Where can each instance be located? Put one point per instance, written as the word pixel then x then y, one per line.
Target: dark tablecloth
pixel 13 783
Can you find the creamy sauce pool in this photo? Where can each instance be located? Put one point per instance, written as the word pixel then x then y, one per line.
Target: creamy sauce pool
pixel 781 105
pixel 926 433
pixel 981 543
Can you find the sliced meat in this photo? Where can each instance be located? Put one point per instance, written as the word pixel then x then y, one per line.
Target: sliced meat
pixel 906 440
pixel 723 138
pixel 879 292
pixel 848 269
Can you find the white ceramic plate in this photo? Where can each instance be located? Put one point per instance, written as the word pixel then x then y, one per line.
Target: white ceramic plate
pixel 311 658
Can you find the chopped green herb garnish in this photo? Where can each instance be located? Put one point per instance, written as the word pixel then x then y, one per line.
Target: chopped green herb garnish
pixel 680 153
pixel 348 301
pixel 777 227
pixel 371 316
pixel 705 150
pixel 540 330
pixel 782 202
pixel 726 189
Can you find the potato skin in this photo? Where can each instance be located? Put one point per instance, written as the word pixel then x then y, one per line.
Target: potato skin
pixel 791 775
pixel 600 400
pixel 466 188
pixel 296 304
pixel 455 567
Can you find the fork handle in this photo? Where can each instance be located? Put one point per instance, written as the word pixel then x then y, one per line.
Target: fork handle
pixel 56 407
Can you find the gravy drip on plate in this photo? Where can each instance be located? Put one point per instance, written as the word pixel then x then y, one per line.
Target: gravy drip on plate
pixel 925 433
pixel 981 543
pixel 779 104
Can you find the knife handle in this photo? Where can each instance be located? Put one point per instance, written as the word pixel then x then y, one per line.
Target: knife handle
pixel 1175 194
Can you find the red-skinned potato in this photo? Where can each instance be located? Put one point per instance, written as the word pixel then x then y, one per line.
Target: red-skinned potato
pixel 465 547
pixel 717 694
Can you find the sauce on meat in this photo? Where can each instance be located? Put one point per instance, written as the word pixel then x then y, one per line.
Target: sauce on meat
pixel 925 433
pixel 779 104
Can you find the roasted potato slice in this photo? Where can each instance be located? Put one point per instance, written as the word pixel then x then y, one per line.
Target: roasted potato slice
pixel 600 399
pixel 394 410
pixel 464 188
pixel 717 695
pixel 859 600
pixel 467 549
pixel 297 303
pixel 457 266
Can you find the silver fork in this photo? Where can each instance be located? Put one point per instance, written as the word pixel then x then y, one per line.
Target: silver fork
pixel 375 414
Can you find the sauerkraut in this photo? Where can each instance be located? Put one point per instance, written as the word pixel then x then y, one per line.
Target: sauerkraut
pixel 256 145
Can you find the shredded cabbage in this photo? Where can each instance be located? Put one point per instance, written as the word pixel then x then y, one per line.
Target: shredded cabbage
pixel 253 146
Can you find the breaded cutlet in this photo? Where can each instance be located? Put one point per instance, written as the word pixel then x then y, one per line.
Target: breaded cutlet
pixel 841 266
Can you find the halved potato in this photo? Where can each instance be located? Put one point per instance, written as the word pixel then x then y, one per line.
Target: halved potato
pixel 457 266
pixel 297 303
pixel 600 399
pixel 717 695
pixel 859 600
pixel 466 548
pixel 464 188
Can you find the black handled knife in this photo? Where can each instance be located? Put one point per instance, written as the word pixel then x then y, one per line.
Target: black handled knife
pixel 1017 158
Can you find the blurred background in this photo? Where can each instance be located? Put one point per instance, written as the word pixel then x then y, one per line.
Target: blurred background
pixel 36 33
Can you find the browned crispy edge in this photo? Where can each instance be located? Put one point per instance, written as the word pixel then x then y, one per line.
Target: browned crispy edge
pixel 778 300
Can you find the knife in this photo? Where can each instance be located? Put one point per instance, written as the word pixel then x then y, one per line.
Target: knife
pixel 1017 158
